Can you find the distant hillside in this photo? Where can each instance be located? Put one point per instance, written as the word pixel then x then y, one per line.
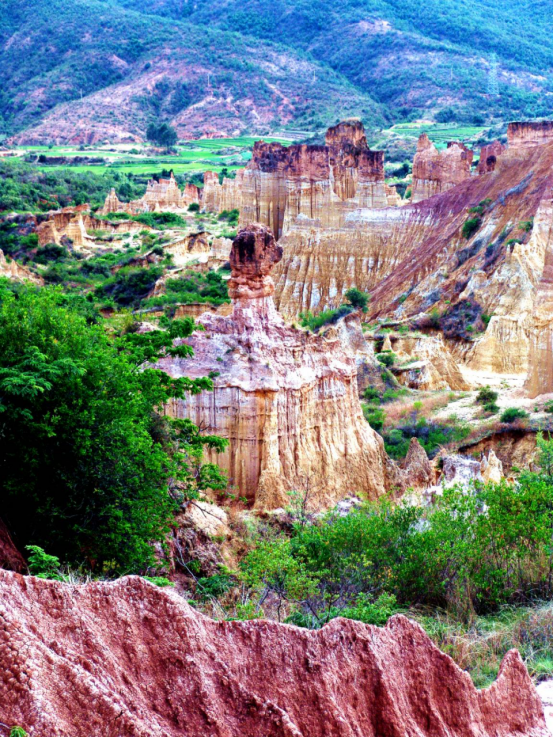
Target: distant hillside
pixel 94 70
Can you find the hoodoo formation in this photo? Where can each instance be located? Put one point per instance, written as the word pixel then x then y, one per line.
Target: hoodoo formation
pixel 286 399
pixel 437 171
pixel 319 185
pixel 172 671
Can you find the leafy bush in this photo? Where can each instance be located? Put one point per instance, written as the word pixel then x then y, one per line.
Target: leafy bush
pixel 375 416
pixel 486 395
pixel 357 299
pixel 159 581
pixel 387 358
pixel 129 286
pixel 470 226
pixel 473 551
pixel 16 731
pixel 513 413
pixel 491 407
pixel 86 459
pixel 214 586
pixel 43 565
pixel 194 207
pixel 431 435
pixel 192 287
pixel 326 317
pixel 370 394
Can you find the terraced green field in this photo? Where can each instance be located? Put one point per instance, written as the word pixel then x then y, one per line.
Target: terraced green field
pixel 191 156
pixel 439 135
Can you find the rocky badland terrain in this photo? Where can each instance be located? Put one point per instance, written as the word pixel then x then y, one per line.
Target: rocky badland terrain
pixel 459 278
pixel 172 671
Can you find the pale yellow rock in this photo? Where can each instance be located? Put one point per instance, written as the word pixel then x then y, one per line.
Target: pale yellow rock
pixel 491 468
pixel 286 399
pixel 208 518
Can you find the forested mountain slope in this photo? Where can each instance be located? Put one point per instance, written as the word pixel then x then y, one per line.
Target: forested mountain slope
pixel 101 69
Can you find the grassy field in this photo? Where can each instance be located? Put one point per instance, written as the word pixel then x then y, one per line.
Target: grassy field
pixel 191 156
pixel 439 134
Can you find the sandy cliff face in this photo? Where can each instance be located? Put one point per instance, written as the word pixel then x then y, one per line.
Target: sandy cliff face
pixel 436 171
pixel 217 197
pixel 317 184
pixel 129 658
pixel 416 259
pixel 286 399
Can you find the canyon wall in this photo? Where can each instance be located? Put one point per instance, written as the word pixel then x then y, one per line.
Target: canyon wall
pixel 436 171
pixel 129 658
pixel 316 184
pixel 286 399
pixel 160 195
pixel 418 259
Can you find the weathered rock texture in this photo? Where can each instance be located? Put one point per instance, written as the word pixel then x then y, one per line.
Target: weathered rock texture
pixel 414 259
pixel 316 184
pixel 489 155
pixel 74 223
pixel 129 658
pixel 10 557
pixel 527 135
pixel 436 171
pixel 225 196
pixel 162 194
pixel 286 399
pixel 12 270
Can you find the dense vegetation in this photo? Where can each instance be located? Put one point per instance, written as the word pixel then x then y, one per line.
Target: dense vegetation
pixel 445 44
pixel 90 471
pixel 470 552
pixel 380 59
pixel 25 187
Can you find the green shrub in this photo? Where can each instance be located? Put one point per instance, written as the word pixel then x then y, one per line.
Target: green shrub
pixel 370 394
pixel 387 358
pixel 357 299
pixel 470 226
pixel 85 456
pixel 43 565
pixel 548 407
pixel 326 317
pixel 449 555
pixel 17 731
pixel 214 586
pixel 486 395
pixel 375 416
pixel 513 413
pixel 159 581
pixel 194 207
pixel 491 407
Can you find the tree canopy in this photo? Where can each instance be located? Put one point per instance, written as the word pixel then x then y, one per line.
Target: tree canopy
pixel 90 470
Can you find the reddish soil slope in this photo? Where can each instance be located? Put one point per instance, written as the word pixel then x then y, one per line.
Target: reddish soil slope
pixel 128 658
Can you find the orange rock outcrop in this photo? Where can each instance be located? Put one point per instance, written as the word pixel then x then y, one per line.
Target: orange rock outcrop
pixel 286 399
pixel 436 171
pixel 415 259
pixel 160 195
pixel 283 186
pixel 130 658
pixel 19 273
pixel 489 156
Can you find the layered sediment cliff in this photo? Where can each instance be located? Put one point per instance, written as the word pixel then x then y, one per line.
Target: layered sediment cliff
pixel 420 259
pixel 286 399
pixel 129 658
pixel 436 171
pixel 317 184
